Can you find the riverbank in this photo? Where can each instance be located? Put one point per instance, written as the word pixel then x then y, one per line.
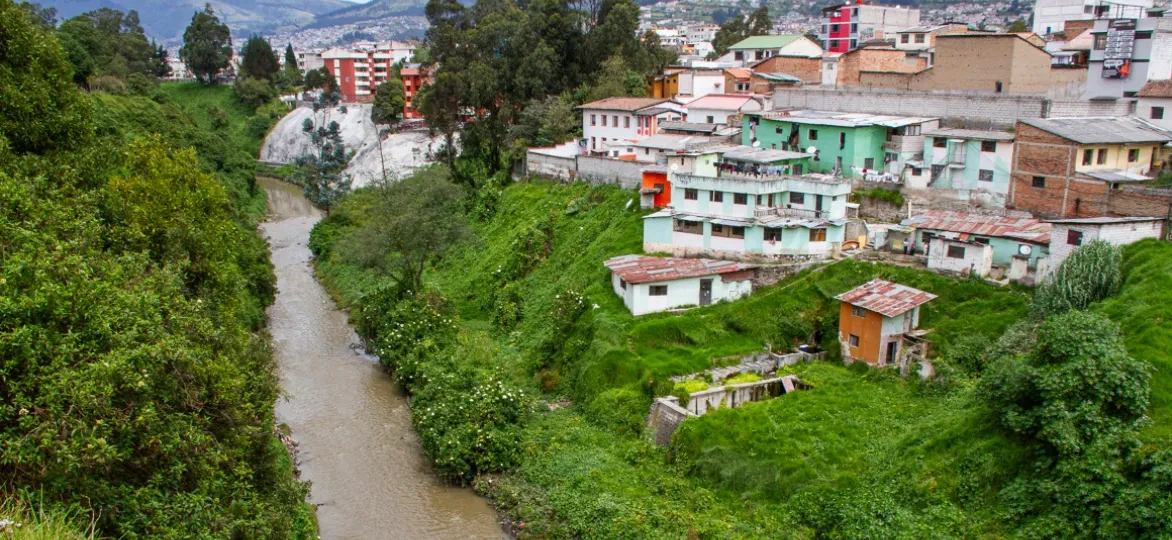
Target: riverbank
pixel 357 446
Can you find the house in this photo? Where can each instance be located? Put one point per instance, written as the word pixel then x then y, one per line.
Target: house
pixel 620 121
pixel 1066 235
pixel 1127 53
pixel 854 145
pixel 964 164
pixel 973 62
pixel 666 85
pixel 1155 103
pixel 414 76
pixel 1007 236
pixel 957 256
pixel 845 70
pixel 874 319
pixel 746 81
pixel 736 202
pixel 1083 167
pixel 699 82
pixel 921 40
pixel 654 148
pixel 719 109
pixel 650 284
pixel 806 69
pixel 756 48
pixel 845 26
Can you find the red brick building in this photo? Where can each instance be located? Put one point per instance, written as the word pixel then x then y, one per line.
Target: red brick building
pixel 414 77
pixel 1087 167
pixel 359 71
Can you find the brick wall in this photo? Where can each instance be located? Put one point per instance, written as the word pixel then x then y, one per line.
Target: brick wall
pixel 809 70
pixel 1073 28
pixel 971 63
pixel 852 64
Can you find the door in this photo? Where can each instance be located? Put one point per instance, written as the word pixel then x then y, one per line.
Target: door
pixel 705 292
pixel 892 350
pixel 818 205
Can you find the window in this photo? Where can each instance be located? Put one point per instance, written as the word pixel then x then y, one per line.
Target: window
pixel 739 56
pixel 988 146
pixel 1157 113
pixel 622 284
pixel 626 121
pixel 955 252
pixel 858 312
pixel 797 169
pixel 834 28
pixel 1102 156
pixel 997 87
pixel 812 135
pixel 939 142
pixel 980 240
pixel 916 171
pixel 1074 238
pixel 919 38
pixel 716 196
pixel 593 143
pixel 614 121
pixel 1143 35
pixel 817 235
pixel 772 235
pixel 738 232
pixel 592 120
pixel 740 198
pixel 842 141
pixel 1088 9
pixel 985 175
pixel 1038 182
pixel 797 198
pixel 646 151
pixel 717 229
pixel 854 28
pixel 854 340
pixel 1100 42
pixel 691 194
pixel 869 163
pixel 905 38
pixel 1133 155
pixel 657 290
pixel 709 119
pixel 1088 156
pixel 690 227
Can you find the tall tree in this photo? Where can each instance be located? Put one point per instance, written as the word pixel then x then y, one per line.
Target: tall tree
pixel 320 172
pixel 107 42
pixel 389 99
pixel 258 61
pixel 292 70
pixel 44 17
pixel 207 45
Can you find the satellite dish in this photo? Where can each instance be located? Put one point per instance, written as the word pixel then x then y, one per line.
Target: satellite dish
pixel 675 166
pixel 812 150
pixel 756 144
pixel 1025 249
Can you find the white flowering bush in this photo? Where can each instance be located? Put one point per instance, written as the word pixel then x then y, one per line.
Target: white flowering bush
pixel 405 333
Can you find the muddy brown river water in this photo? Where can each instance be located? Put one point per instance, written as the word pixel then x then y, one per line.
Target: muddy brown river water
pixel 369 475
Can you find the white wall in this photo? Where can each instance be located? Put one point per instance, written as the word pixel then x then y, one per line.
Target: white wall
pixel 609 132
pixel 1118 234
pixel 1143 111
pixel 683 292
pixel 704 83
pixel 700 116
pixel 978 258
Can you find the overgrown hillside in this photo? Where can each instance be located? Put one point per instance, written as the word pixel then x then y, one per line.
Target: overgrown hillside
pixel 138 384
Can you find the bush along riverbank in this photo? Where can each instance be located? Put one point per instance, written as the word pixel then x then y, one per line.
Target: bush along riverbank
pixel 518 305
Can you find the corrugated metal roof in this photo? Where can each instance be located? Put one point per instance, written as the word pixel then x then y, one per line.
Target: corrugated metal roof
pixel 762 155
pixel 1102 220
pixel 722 102
pixel 1110 130
pixel 978 134
pixel 1116 175
pixel 830 118
pixel 628 104
pixel 765 42
pixel 885 298
pixel 645 269
pixel 1028 229
pixel 670 142
pixel 692 127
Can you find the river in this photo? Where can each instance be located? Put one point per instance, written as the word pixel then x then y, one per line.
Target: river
pixel 369 475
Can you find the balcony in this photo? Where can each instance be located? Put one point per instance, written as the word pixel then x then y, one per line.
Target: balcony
pixel 956 157
pixel 798 213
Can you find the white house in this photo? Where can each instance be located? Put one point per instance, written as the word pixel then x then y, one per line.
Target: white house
pixel 1066 235
pixel 719 108
pixel 956 256
pixel 654 149
pixel 756 48
pixel 700 82
pixel 650 284
pixel 621 121
pixel 1155 103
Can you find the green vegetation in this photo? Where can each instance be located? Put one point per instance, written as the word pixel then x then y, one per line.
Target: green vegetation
pixel 18 521
pixel 1090 274
pixel 207 46
pixel 892 196
pixel 138 380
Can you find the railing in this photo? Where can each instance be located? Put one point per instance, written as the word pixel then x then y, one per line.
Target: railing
pixel 957 157
pixel 791 213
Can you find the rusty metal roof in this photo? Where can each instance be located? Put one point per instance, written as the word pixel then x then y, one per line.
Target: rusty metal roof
pixel 645 269
pixel 885 298
pixel 1019 228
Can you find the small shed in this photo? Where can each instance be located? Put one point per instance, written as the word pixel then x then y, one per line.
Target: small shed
pixel 956 256
pixel 875 318
pixel 650 284
pixel 1066 235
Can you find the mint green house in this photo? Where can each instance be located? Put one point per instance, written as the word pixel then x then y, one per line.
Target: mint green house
pixel 734 212
pixel 965 165
pixel 1009 237
pixel 853 145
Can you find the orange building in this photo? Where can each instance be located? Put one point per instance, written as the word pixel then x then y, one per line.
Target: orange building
pixel 656 187
pixel 414 77
pixel 874 318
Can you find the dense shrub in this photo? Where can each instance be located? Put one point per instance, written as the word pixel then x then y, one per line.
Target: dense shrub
pixel 1091 273
pixel 406 333
pixel 622 410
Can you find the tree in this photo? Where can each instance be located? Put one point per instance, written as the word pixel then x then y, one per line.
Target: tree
pixel 389 100
pixel 616 79
pixel 207 45
pixel 320 173
pixel 1018 26
pixel 254 91
pixel 1091 273
pixel 415 221
pixel 107 42
pixel 321 78
pixel 292 75
pixel 258 61
pixel 44 17
pixel 159 66
pixel 758 23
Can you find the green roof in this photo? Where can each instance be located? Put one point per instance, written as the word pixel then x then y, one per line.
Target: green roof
pixel 766 42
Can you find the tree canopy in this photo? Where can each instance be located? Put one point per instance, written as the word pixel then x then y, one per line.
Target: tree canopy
pixel 258 61
pixel 740 27
pixel 389 99
pixel 207 45
pixel 108 43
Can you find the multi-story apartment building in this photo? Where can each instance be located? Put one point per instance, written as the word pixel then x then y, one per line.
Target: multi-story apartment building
pixel 1049 15
pixel 612 125
pixel 852 145
pixel 739 201
pixel 964 164
pixel 359 71
pixel 1127 53
pixel 845 26
pixel 414 77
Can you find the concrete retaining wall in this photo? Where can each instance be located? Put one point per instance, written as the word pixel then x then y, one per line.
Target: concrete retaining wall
pixel 735 395
pixel 538 164
pixel 596 170
pixel 665 418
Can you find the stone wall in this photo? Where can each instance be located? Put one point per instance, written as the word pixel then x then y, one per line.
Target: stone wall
pixel 665 418
pixel 538 164
pixel 597 170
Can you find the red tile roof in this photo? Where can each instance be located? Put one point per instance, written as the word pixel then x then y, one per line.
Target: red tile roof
pixel 644 269
pixel 739 73
pixel 885 298
pixel 629 104
pixel 722 102
pixel 1028 229
pixel 1156 89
